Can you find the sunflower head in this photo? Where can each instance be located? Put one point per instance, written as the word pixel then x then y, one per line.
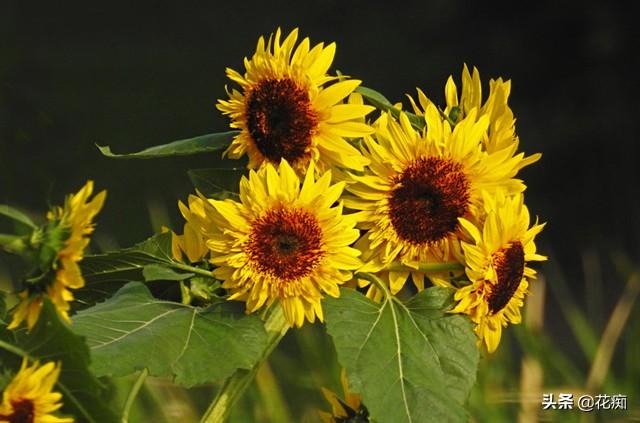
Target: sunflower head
pixel 497 267
pixel 285 240
pixel 418 186
pixel 501 133
pixel 59 247
pixel 289 108
pixel 29 397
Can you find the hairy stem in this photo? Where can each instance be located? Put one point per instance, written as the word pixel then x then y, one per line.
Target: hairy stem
pixel 427 267
pixel 376 281
pixel 191 269
pixel 135 389
pixel 13 349
pixel 233 388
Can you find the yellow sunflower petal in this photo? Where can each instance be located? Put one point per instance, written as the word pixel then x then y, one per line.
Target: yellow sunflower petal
pixel 291 244
pixel 280 77
pixel 33 386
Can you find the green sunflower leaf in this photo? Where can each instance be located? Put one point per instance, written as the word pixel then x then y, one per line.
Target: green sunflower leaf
pixel 84 396
pixel 133 330
pixel 149 260
pixel 381 102
pixel 121 265
pixel 16 215
pixel 158 272
pixel 411 362
pixel 219 183
pixel 202 144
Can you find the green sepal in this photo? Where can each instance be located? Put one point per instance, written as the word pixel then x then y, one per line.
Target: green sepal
pixel 454 114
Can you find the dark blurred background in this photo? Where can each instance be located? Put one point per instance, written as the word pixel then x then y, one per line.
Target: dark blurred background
pixel 77 74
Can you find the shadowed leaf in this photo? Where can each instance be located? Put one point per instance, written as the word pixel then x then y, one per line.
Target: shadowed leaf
pixel 16 215
pixel 133 330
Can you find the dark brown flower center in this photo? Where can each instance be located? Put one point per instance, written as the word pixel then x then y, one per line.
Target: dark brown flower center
pixel 286 243
pixel 281 120
pixel 23 412
pixel 509 265
pixel 430 195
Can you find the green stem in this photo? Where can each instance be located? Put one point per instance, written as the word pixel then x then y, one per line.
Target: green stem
pixel 13 349
pixel 191 269
pixel 376 281
pixel 135 389
pixel 427 267
pixel 233 388
pixel 68 396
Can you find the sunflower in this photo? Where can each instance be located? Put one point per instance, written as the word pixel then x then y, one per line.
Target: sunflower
pixel 417 186
pixel 29 397
pixel 351 410
pixel 191 243
pixel 501 134
pixel 64 239
pixel 496 264
pixel 290 108
pixel 283 241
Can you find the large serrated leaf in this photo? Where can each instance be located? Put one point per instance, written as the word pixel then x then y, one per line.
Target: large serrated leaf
pixel 52 340
pixel 410 362
pixel 202 144
pixel 133 330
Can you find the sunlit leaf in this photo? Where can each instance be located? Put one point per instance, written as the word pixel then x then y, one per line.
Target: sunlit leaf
pixel 411 362
pixel 133 330
pixel 202 144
